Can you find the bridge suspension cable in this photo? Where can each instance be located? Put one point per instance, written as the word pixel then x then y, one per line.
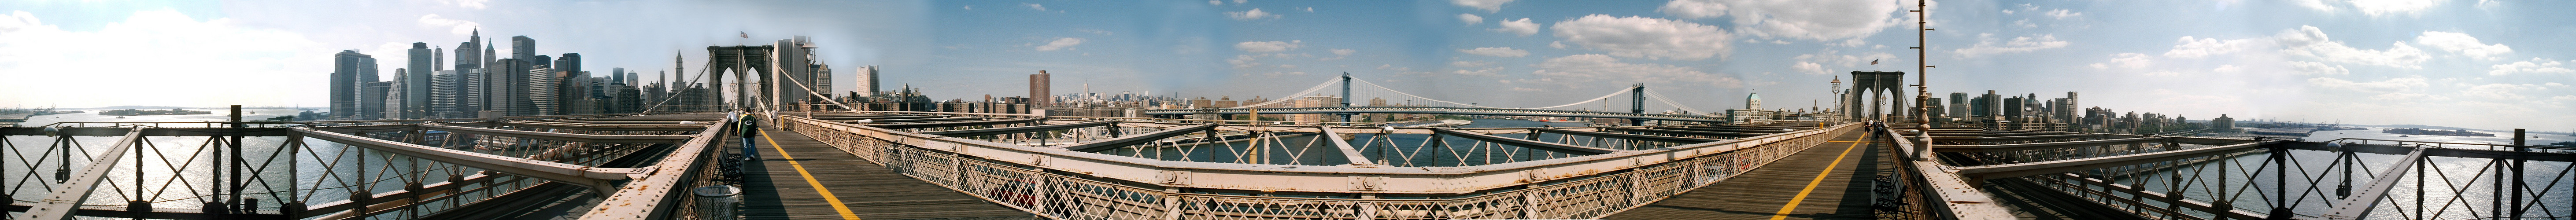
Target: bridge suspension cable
pixel 1293 96
pixel 1660 97
pixel 1603 97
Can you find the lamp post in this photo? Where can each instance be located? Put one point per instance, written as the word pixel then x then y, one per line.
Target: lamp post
pixel 1922 93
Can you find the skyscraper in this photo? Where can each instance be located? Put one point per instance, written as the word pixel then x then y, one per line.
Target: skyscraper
pixel 506 88
pixel 523 48
pixel 545 90
pixel 415 86
pixel 1038 96
pixel 346 67
pixel 443 88
pixel 570 62
pixel 867 81
pixel 392 106
pixel 371 100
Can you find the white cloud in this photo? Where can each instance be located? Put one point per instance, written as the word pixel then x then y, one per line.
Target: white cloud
pixel 1254 14
pixel 1065 43
pixel 1988 45
pixel 2189 47
pixel 2316 68
pixel 1651 38
pixel 1488 71
pixel 1343 52
pixel 1522 27
pixel 1470 19
pixel 453 26
pixel 1496 52
pixel 1035 6
pixel 1585 70
pixel 2319 5
pixel 2535 65
pixel 474 4
pixel 2462 44
pixel 2393 7
pixel 285 67
pixel 2126 60
pixel 2308 41
pixel 2499 91
pixel 1244 61
pixel 1810 68
pixel 2062 14
pixel 1286 66
pixel 1489 6
pixel 1819 20
pixel 2227 69
pixel 1216 2
pixel 1470 63
pixel 1268 46
pixel 2383 86
pixel 1556 44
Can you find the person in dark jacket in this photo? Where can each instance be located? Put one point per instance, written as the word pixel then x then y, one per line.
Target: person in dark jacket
pixel 750 127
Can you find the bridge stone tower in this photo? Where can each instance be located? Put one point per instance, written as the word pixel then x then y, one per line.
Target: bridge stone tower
pixel 745 62
pixel 1869 94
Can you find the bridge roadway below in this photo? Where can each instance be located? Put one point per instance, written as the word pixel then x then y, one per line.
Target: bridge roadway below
pixel 783 185
pixel 1822 182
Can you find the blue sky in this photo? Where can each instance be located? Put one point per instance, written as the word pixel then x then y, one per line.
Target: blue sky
pixel 2469 63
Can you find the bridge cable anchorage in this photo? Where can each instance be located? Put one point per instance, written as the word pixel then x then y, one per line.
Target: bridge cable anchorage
pixel 1293 96
pixel 1585 101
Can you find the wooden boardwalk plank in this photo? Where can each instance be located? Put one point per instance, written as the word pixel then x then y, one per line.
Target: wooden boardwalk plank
pixel 773 189
pixel 1760 193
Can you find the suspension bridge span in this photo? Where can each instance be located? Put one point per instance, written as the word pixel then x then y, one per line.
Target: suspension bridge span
pixel 933 165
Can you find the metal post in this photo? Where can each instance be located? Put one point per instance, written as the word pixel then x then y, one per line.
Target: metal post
pixel 2280 183
pixel 2518 161
pixel 1922 90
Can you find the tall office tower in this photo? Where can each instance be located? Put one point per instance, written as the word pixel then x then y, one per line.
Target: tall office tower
pixel 799 75
pixel 506 88
pixel 1038 97
pixel 630 99
pixel 631 79
pixel 345 67
pixel 489 57
pixel 570 62
pixel 474 92
pixel 442 95
pixel 466 58
pixel 866 81
pixel 542 60
pixel 1959 105
pixel 2067 109
pixel 545 90
pixel 524 48
pixel 620 76
pixel 2013 107
pixel 1936 110
pixel 1991 105
pixel 395 95
pixel 371 100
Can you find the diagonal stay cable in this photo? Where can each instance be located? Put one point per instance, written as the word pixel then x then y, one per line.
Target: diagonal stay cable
pixel 1292 96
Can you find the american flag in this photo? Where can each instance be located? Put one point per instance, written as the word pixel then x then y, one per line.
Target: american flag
pixel 747 35
pixel 1871 61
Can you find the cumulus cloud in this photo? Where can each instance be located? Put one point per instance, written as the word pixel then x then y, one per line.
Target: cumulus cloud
pixel 2463 44
pixel 474 4
pixel 1489 6
pixel 1064 43
pixel 2308 41
pixel 1470 19
pixel 2126 60
pixel 1583 70
pixel 1035 6
pixel 2383 86
pixel 2500 91
pixel 1522 27
pixel 1988 45
pixel 1810 68
pixel 1343 52
pixel 1651 38
pixel 453 26
pixel 2189 47
pixel 1819 20
pixel 1823 63
pixel 1496 52
pixel 2316 68
pixel 1254 14
pixel 2393 7
pixel 1268 46
pixel 2535 65
pixel 2062 14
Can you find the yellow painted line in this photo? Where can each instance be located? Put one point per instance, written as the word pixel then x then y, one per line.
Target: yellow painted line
pixel 1811 185
pixel 827 193
pixel 1852 141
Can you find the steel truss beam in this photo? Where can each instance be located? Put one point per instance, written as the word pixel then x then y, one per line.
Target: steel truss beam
pixel 1667 139
pixel 945 124
pixel 638 199
pixel 1020 129
pixel 2197 205
pixel 2061 166
pixel 604 127
pixel 67 196
pixel 1352 154
pixel 908 120
pixel 593 177
pixel 1133 140
pixel 1553 147
pixel 2358 205
pixel 589 138
pixel 1680 132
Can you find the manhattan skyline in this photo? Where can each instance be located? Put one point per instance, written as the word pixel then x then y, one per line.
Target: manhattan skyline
pixel 2477 64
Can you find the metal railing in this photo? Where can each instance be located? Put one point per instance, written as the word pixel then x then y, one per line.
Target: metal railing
pixel 1107 187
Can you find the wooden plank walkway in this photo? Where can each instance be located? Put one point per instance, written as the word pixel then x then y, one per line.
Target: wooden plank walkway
pixel 774 188
pixel 1760 193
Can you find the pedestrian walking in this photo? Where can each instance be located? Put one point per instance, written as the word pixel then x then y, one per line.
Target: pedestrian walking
pixel 750 127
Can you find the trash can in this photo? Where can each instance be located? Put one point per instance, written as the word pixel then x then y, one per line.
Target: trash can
pixel 717 202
